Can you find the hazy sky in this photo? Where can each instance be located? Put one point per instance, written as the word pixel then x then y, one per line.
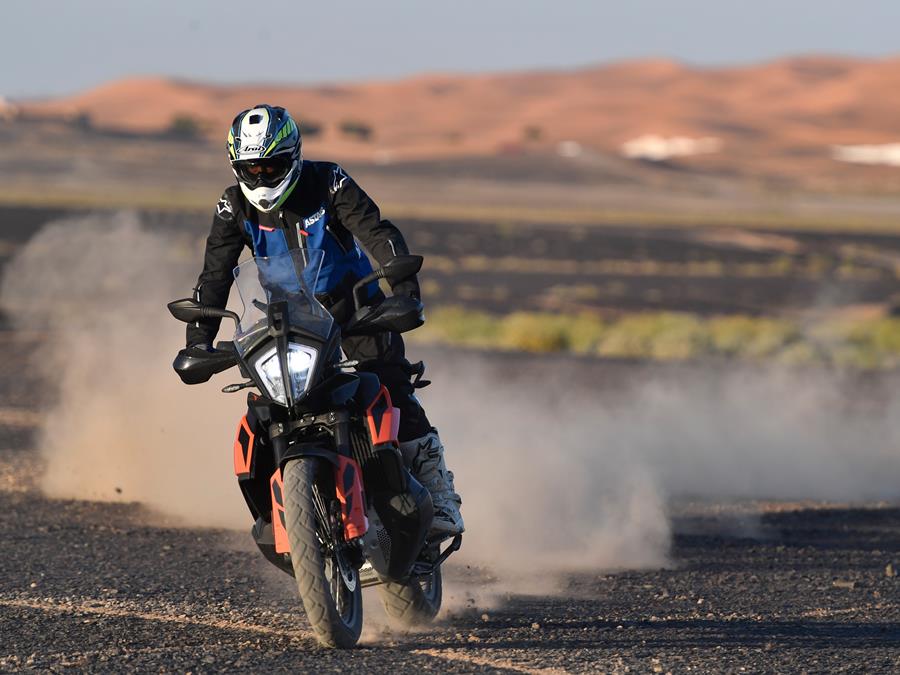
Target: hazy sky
pixel 51 47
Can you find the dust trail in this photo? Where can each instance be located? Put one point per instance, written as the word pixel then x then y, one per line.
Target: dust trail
pixel 564 465
pixel 561 465
pixel 120 425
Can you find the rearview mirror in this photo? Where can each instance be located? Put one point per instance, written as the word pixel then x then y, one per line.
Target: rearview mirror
pixel 189 310
pixel 402 267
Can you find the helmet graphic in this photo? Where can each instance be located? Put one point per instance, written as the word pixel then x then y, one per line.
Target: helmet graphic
pixel 264 149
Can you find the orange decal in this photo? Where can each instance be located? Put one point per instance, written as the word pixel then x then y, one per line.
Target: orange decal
pixel 243 448
pixel 348 485
pixel 279 526
pixel 383 418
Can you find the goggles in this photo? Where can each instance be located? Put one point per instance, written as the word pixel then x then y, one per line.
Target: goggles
pixel 265 172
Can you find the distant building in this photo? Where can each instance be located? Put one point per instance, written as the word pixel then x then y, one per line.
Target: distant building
pixel 7 110
pixel 885 153
pixel 658 148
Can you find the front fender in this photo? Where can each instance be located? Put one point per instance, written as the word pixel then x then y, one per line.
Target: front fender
pixel 298 450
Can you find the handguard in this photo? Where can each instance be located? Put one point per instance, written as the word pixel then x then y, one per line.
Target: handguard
pixel 195 367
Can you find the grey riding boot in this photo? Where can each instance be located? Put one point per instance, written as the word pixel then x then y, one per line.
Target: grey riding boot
pixel 425 458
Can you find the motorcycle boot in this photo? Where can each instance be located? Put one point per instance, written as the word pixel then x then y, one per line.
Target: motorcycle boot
pixel 425 459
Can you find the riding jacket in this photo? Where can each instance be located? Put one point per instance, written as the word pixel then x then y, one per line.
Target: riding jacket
pixel 326 210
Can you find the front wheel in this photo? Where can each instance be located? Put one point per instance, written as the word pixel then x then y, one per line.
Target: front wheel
pixel 328 584
pixel 415 602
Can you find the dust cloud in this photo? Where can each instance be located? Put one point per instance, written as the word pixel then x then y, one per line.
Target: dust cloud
pixel 120 426
pixel 566 464
pixel 560 467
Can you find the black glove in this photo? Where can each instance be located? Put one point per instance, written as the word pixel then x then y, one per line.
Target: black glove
pixel 199 349
pixel 408 287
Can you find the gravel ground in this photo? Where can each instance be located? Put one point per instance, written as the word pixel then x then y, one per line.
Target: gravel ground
pixel 100 587
pixel 761 587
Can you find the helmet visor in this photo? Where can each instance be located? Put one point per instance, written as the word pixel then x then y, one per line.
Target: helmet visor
pixel 265 172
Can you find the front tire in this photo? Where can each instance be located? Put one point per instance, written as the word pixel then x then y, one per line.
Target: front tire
pixel 329 587
pixel 415 602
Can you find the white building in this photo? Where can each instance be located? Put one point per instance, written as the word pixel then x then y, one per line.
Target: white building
pixel 658 148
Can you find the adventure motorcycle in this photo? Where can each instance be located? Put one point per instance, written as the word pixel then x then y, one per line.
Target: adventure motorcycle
pixel 316 455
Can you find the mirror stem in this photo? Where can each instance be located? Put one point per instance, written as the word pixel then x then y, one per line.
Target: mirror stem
pixel 360 286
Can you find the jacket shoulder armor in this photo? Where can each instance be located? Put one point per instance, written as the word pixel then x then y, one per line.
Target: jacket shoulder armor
pixel 229 204
pixel 333 175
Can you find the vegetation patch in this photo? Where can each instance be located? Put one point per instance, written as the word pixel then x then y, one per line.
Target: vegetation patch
pixel 872 343
pixel 185 127
pixel 357 130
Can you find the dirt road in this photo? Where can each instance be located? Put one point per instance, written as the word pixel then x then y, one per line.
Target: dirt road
pixel 108 587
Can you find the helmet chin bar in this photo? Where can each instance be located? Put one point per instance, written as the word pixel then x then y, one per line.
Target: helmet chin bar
pixel 266 198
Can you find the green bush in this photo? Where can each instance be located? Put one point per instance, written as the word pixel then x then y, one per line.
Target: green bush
pixel 532 133
pixel 309 129
pixel 750 336
pixel 185 127
pixel 664 336
pixel 669 336
pixel 360 130
pixel 534 332
pixel 459 326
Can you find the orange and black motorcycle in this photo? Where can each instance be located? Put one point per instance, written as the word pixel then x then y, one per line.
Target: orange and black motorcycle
pixel 316 455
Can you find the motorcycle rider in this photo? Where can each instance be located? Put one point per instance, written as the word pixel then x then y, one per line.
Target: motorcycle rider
pixel 282 202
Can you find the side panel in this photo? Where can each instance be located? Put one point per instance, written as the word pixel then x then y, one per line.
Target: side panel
pixel 383 418
pixel 279 526
pixel 243 448
pixel 348 485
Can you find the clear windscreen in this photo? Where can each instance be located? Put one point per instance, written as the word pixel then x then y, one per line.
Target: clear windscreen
pixel 289 277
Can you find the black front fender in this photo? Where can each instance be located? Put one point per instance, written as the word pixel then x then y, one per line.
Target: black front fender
pixel 298 450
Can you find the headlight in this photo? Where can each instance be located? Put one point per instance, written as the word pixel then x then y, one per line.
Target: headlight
pixel 301 360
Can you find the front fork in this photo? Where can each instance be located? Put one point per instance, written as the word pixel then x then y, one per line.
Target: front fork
pixel 382 421
pixel 347 475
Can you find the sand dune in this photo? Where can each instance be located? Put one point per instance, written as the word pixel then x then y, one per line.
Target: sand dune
pixel 779 118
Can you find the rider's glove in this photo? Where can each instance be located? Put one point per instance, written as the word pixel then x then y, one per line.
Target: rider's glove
pixel 408 287
pixel 199 349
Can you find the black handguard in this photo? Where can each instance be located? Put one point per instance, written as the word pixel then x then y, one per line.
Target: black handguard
pixel 195 364
pixel 199 349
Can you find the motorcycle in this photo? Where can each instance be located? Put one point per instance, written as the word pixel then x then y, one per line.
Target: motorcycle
pixel 316 456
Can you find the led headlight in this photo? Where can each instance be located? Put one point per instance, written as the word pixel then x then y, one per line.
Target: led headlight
pixel 301 360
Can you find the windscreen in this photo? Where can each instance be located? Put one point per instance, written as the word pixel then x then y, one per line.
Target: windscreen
pixel 289 277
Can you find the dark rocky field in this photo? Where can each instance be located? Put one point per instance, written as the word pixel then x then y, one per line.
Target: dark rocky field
pixel 94 587
pixel 705 270
pixel 749 585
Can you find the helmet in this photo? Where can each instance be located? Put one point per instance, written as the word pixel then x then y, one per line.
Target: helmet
pixel 264 149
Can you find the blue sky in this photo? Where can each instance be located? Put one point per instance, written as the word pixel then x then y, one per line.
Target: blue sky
pixel 52 47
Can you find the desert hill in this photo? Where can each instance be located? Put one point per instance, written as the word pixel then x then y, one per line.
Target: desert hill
pixel 781 119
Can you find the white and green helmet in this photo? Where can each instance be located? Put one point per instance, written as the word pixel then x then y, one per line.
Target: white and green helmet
pixel 264 147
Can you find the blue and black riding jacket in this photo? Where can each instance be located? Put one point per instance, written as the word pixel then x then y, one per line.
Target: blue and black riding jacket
pixel 327 210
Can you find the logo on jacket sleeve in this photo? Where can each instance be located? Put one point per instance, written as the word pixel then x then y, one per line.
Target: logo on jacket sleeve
pixel 338 178
pixel 224 210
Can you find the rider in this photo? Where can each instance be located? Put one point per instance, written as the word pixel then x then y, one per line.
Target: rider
pixel 282 202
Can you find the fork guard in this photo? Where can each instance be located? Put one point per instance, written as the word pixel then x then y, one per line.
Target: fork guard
pixel 348 488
